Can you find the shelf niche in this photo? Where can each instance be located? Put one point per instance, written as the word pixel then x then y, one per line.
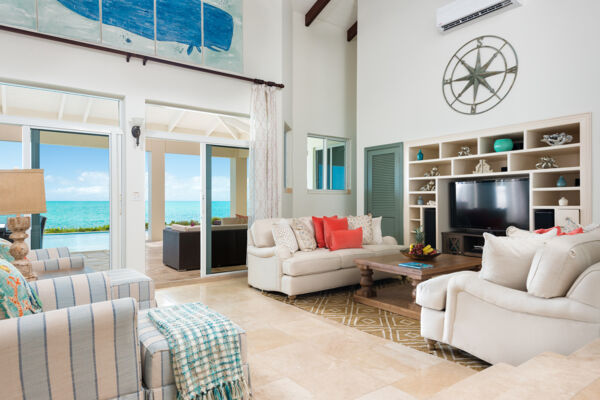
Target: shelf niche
pixel 534 136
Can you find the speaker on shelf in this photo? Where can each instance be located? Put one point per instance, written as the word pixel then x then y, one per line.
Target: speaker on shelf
pixel 429 226
pixel 543 219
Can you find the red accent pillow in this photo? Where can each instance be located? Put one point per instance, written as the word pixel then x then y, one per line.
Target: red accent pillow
pixel 333 224
pixel 573 232
pixel 319 233
pixel 346 239
pixel 541 231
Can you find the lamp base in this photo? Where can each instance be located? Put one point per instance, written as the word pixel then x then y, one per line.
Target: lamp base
pixel 19 249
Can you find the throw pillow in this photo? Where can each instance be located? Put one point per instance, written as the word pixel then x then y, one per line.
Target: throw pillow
pixel 555 268
pixel 366 223
pixel 514 232
pixel 242 218
pixel 331 225
pixel 319 230
pixel 284 236
pixel 17 298
pixel 377 234
pixel 350 239
pixel 304 235
pixel 5 250
pixel 507 260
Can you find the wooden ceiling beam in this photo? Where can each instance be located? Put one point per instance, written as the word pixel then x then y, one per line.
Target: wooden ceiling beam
pixel 314 11
pixel 175 120
pixel 61 108
pixel 352 31
pixel 88 109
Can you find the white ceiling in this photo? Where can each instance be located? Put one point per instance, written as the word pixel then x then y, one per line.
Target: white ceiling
pixel 342 13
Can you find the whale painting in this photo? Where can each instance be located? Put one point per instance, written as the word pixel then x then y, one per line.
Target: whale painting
pixel 205 32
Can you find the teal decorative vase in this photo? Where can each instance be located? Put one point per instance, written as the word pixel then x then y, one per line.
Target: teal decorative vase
pixel 420 155
pixel 503 145
pixel 420 201
pixel 561 182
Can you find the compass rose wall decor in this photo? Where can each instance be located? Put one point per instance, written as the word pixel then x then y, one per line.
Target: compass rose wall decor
pixel 480 75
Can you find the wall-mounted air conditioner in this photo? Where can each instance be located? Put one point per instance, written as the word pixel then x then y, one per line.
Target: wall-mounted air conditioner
pixel 462 11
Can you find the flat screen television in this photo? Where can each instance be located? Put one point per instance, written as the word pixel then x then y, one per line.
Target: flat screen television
pixel 491 205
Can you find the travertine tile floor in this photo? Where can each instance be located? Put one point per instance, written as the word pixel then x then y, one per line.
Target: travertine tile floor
pixel 297 355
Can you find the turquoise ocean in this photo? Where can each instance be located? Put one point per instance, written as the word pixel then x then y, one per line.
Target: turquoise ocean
pixel 88 214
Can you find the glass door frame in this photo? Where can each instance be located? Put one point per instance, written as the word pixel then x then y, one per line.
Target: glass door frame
pixel 115 138
pixel 204 141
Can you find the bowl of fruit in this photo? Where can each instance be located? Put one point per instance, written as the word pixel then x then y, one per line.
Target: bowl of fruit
pixel 420 251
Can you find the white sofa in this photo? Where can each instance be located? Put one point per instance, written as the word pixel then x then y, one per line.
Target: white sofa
pixel 559 312
pixel 276 269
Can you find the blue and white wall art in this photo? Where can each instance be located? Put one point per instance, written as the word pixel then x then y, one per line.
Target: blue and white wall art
pixel 205 32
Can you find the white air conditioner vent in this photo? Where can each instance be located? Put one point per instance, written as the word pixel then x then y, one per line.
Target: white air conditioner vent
pixel 462 11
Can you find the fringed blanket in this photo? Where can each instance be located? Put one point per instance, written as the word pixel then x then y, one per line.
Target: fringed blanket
pixel 205 351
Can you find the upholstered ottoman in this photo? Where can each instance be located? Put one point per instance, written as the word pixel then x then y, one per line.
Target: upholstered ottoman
pixel 131 283
pixel 157 373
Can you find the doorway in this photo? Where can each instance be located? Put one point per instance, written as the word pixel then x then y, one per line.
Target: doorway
pixel 384 189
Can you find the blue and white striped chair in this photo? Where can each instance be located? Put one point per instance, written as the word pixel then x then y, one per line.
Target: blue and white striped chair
pixel 83 345
pixel 55 260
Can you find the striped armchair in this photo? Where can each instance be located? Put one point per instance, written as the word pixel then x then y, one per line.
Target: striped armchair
pixel 54 260
pixel 83 345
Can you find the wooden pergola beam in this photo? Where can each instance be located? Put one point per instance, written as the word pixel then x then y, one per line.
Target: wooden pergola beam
pixel 314 11
pixel 352 31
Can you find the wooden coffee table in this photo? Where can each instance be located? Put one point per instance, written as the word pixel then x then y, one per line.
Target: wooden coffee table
pixel 401 300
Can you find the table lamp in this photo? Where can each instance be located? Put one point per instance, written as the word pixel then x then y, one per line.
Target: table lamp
pixel 21 192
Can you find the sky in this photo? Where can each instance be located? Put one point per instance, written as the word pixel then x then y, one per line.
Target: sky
pixel 82 174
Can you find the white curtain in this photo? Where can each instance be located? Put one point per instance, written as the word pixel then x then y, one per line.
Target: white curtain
pixel 264 197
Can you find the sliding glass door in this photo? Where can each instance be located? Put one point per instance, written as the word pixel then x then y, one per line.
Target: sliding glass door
pixel 226 205
pixel 77 172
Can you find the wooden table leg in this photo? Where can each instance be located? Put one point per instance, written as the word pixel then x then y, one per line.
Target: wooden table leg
pixel 414 283
pixel 366 282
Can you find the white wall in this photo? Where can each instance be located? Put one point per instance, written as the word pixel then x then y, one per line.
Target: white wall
pixel 402 57
pixel 46 63
pixel 323 102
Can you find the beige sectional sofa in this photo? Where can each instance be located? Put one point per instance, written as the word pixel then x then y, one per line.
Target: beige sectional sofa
pixel 559 311
pixel 275 268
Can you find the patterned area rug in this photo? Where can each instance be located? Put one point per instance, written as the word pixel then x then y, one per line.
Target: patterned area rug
pixel 338 305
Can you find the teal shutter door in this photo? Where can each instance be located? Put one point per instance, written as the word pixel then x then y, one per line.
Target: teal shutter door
pixel 384 197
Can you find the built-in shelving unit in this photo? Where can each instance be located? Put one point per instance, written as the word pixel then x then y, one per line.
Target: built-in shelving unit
pixel 573 159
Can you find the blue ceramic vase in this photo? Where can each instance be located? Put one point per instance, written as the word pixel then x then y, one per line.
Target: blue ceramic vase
pixel 561 182
pixel 420 201
pixel 503 145
pixel 420 155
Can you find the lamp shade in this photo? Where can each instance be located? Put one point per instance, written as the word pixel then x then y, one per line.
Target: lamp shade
pixel 22 191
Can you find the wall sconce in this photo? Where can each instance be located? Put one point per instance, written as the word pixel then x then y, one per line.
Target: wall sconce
pixel 136 132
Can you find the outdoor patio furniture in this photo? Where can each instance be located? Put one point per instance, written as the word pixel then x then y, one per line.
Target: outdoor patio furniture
pixel 181 249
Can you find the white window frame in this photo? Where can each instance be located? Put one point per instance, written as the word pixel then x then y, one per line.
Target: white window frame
pixel 347 146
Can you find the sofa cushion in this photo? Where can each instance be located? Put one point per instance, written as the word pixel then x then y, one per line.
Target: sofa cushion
pixel 383 249
pixel 284 236
pixel 333 224
pixel 366 223
pixel 560 262
pixel 305 234
pixel 514 232
pixel 349 239
pixel 506 261
pixel 261 232
pixel 347 256
pixel 377 233
pixel 313 262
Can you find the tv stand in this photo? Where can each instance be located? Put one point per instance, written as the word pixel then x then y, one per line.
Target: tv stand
pixel 463 243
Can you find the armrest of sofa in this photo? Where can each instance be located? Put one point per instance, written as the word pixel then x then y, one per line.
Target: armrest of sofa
pixel 281 252
pixel 48 254
pixel 74 290
pixel 586 288
pixel 58 264
pixel 390 240
pixel 131 283
pixel 72 351
pixel 515 300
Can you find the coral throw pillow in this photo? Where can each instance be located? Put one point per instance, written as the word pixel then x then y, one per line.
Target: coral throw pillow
pixel 319 232
pixel 331 225
pixel 346 239
pixel 17 298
